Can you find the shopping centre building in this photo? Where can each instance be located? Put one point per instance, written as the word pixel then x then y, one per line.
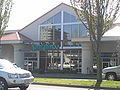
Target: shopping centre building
pixel 57 40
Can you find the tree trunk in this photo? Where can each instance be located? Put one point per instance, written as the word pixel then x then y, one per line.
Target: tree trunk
pixel 99 69
pixel 99 62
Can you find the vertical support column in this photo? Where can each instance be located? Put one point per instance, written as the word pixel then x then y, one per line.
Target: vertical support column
pixel 18 55
pixel 87 58
pixel 62 36
pixel 38 59
pixel 61 68
pixel 1 51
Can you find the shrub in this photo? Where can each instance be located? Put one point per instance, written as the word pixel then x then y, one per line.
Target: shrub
pixel 60 71
pixel 38 71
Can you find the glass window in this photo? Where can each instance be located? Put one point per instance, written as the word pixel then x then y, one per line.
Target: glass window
pixel 71 31
pixel 67 43
pixel 67 32
pixel 50 21
pixel 56 19
pixel 50 33
pixel 56 33
pixel 30 55
pixel 82 30
pixel 69 18
pixel 72 58
pixel 75 31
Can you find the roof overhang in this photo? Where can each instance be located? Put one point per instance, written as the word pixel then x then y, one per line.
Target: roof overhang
pixel 104 39
pixel 11 42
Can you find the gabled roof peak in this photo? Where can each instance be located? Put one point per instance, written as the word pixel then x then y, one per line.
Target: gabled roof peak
pixel 46 14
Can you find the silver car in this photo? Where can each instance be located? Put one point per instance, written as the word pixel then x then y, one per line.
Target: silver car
pixel 13 76
pixel 111 73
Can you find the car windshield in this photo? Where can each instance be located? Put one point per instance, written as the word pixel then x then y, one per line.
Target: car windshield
pixel 6 64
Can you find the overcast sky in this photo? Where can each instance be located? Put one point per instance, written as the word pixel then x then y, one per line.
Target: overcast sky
pixel 26 11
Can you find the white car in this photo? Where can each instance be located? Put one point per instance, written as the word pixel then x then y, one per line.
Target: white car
pixel 13 76
pixel 111 73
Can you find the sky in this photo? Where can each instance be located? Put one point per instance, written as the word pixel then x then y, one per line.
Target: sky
pixel 25 11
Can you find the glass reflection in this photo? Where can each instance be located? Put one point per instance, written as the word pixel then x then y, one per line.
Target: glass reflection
pixel 54 20
pixel 82 30
pixel 67 32
pixel 69 18
pixel 75 31
pixel 50 33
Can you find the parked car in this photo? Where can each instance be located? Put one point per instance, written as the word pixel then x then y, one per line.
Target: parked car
pixel 66 65
pixel 13 76
pixel 111 73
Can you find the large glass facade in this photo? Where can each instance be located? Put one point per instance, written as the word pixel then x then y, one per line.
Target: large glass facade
pixel 71 28
pixel 59 31
pixel 51 60
pixel 56 31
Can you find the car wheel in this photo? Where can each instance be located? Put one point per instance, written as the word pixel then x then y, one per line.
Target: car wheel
pixel 3 84
pixel 111 76
pixel 23 87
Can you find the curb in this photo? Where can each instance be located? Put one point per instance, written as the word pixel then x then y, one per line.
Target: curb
pixel 90 87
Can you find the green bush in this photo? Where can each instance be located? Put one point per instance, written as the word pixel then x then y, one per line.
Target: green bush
pixel 60 71
pixel 38 71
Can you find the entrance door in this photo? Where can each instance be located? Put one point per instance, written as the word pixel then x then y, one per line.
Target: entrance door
pixel 49 60
pixel 73 58
pixel 30 60
pixel 30 65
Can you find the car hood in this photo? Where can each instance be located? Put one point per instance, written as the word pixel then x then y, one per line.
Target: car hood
pixel 15 70
pixel 111 67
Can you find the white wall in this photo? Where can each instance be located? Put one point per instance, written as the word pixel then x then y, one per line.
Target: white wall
pixel 8 52
pixel 109 46
pixel 19 54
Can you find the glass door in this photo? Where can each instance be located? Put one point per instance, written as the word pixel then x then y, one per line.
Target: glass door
pixel 30 60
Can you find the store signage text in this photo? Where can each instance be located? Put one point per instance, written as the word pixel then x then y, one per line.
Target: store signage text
pixel 44 47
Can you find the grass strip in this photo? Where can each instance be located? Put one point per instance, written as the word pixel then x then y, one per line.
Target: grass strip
pixel 77 82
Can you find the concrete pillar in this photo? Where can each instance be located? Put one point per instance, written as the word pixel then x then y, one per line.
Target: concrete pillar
pixel 1 51
pixel 38 59
pixel 18 55
pixel 61 61
pixel 87 58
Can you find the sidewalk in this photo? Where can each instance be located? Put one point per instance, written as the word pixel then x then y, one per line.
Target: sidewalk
pixel 66 76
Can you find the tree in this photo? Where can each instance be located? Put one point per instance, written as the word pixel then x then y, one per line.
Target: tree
pixel 99 16
pixel 5 9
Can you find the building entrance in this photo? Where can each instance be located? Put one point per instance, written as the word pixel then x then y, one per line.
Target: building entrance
pixel 51 60
pixel 30 60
